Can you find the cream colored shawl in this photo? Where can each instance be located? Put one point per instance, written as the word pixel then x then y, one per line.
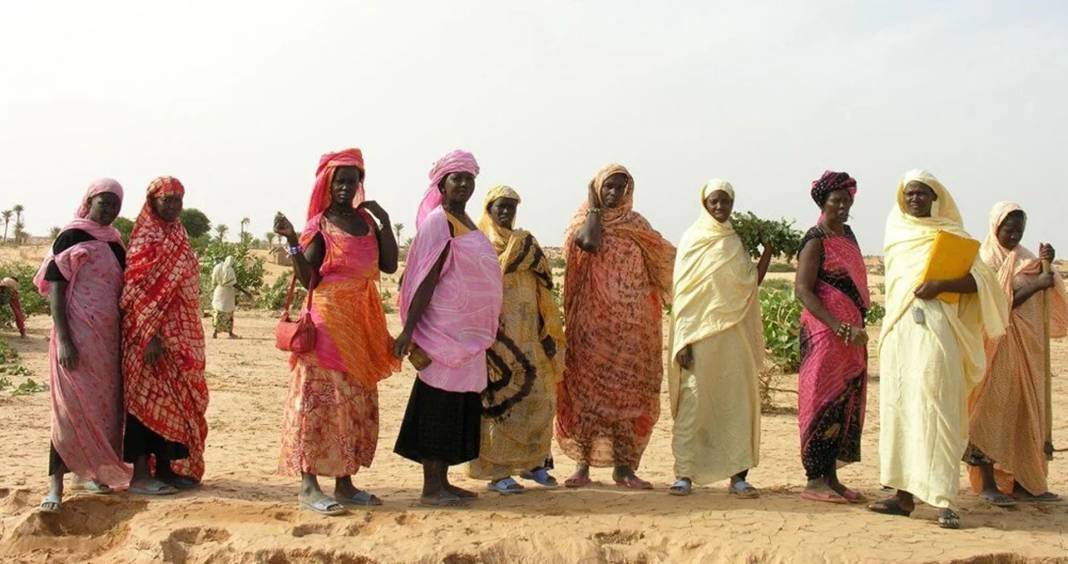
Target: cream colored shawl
pixel 715 281
pixel 908 243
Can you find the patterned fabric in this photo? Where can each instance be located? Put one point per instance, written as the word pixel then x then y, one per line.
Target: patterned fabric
pixel 519 402
pixel 927 370
pixel 9 293
pixel 609 398
pixel 161 299
pixel 833 378
pixel 1008 409
pixel 222 321
pixel 331 423
pixel 829 182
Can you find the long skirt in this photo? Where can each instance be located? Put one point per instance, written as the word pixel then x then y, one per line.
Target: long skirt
pixel 440 425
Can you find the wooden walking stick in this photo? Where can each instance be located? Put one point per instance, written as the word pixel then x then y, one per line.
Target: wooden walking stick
pixel 1046 267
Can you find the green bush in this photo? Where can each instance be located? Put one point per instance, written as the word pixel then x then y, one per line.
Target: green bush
pixel 33 303
pixel 125 226
pixel 249 269
pixel 784 239
pixel 273 296
pixel 195 222
pixel 781 267
pixel 875 314
pixel 780 313
pixel 778 284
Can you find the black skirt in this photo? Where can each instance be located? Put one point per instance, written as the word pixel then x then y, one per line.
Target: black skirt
pixel 440 425
pixel 139 441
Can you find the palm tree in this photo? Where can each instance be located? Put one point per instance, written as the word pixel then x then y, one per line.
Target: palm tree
pixel 20 233
pixel 244 221
pixel 221 230
pixel 398 227
pixel 7 219
pixel 270 238
pixel 18 209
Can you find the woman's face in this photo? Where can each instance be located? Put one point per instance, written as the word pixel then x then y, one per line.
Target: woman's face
pixel 1011 230
pixel 502 211
pixel 836 207
pixel 458 187
pixel 344 185
pixel 104 208
pixel 169 207
pixel 919 198
pixel 614 190
pixel 719 205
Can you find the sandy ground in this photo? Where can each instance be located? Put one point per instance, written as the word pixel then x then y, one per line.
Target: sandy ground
pixel 245 513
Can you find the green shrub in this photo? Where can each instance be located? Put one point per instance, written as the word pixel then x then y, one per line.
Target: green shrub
pixel 273 296
pixel 778 284
pixel 781 267
pixel 875 314
pixel 784 239
pixel 780 313
pixel 33 303
pixel 29 387
pixel 125 226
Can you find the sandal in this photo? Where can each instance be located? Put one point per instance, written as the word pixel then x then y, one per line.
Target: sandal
pixel 182 483
pixel 324 506
pixel 151 486
pixel 445 499
pixel 633 482
pixel 824 496
pixel 577 481
pixel 997 499
pixel 506 486
pixel 1026 497
pixel 743 489
pixel 682 486
pixel 51 504
pixel 360 498
pixel 948 519
pixel 853 496
pixel 889 506
pixel 93 487
pixel 541 476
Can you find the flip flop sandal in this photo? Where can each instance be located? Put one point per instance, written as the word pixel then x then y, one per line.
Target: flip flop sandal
pixel 506 486
pixel 853 496
pixel 454 501
pixel 360 498
pixel 51 504
pixel 94 487
pixel 183 483
pixel 826 497
pixel 633 482
pixel 152 487
pixel 577 482
pixel 743 489
pixel 889 507
pixel 948 519
pixel 324 506
pixel 681 487
pixel 542 477
pixel 998 499
pixel 1048 497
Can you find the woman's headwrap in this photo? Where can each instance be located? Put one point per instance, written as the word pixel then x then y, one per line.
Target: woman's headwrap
pixel 455 161
pixel 497 234
pixel 97 187
pixel 831 181
pixel 324 177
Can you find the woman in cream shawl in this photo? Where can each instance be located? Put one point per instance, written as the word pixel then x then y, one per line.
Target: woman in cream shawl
pixel 717 350
pixel 224 298
pixel 526 360
pixel 931 352
pixel 1008 409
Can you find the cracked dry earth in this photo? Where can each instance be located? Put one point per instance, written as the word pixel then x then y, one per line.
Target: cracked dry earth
pixel 245 513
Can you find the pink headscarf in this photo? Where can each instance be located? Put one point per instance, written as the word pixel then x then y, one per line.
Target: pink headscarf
pixel 324 176
pixel 105 233
pixel 454 161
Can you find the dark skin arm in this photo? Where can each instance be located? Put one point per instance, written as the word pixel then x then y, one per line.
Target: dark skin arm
pixel 308 262
pixel 589 236
pixel 68 354
pixel 964 285
pixel 403 344
pixel 808 267
pixel 388 253
pixel 1039 283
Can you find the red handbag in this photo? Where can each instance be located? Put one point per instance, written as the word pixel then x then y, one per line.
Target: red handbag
pixel 295 336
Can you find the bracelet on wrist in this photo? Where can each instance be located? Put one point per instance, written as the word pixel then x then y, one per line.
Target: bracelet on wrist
pixel 294 250
pixel 593 210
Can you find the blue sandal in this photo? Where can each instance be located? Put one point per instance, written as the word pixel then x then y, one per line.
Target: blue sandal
pixel 506 486
pixel 541 476
pixel 682 486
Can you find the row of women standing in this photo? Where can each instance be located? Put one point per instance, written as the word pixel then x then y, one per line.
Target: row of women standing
pixel 127 348
pixel 481 327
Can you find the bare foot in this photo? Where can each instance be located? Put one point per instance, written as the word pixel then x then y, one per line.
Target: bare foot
pixel 441 499
pixel 460 492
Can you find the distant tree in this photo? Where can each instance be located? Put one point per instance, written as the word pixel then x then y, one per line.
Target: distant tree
pixel 220 231
pixel 20 233
pixel 397 228
pixel 244 222
pixel 195 222
pixel 7 219
pixel 270 235
pixel 247 239
pixel 125 227
pixel 18 209
pixel 53 233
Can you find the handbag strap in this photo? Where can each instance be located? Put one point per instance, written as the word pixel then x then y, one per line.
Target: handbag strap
pixel 292 292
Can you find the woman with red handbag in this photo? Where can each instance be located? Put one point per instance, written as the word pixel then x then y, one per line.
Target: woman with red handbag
pixel 341 347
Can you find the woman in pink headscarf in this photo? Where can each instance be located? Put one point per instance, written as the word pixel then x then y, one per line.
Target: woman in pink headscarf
pixel 82 278
pixel 450 304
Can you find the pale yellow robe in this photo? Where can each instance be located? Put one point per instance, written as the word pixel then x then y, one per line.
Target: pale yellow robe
pixel 927 370
pixel 716 405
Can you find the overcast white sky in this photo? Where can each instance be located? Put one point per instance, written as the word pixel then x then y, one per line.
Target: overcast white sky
pixel 239 99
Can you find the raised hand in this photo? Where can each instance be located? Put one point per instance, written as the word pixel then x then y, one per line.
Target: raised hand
pixel 283 227
pixel 376 210
pixel 1046 252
